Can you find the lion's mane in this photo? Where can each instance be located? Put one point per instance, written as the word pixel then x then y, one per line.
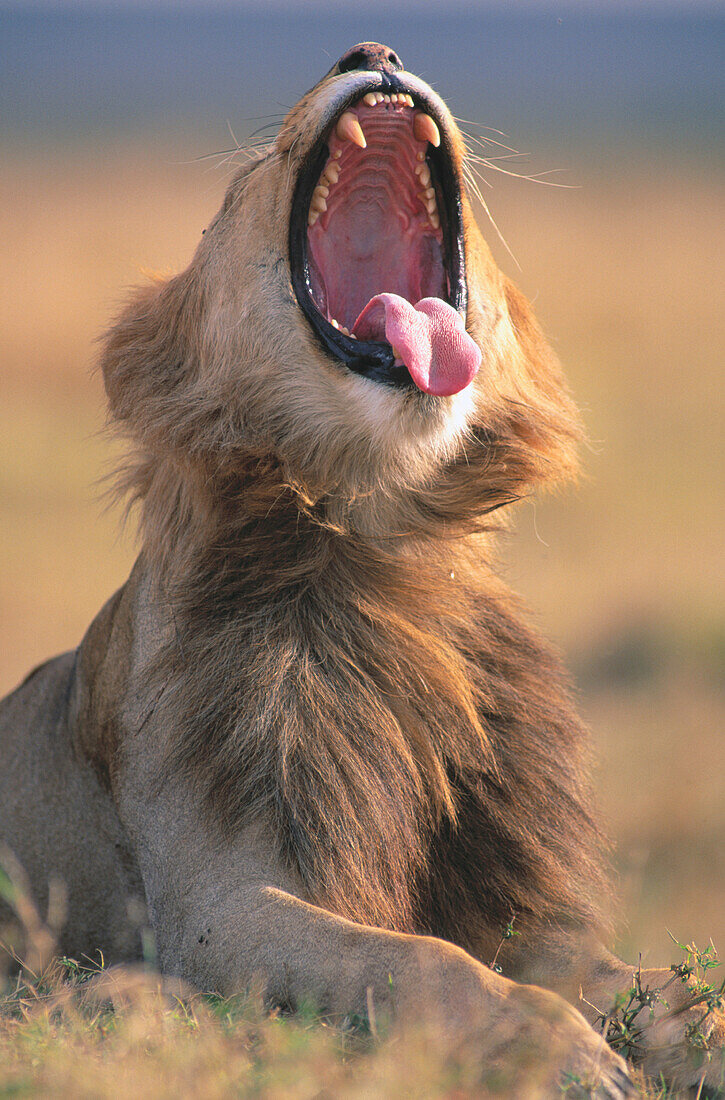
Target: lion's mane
pixel 373 691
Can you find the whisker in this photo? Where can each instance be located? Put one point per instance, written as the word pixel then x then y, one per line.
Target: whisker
pixel 233 135
pixel 534 177
pixel 468 172
pixel 267 126
pixel 484 141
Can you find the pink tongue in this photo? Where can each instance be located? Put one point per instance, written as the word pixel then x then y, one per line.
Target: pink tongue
pixel 429 337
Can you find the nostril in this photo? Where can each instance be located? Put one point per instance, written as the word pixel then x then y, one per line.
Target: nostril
pixel 394 59
pixel 355 59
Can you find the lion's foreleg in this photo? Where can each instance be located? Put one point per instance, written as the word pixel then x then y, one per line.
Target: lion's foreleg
pixel 294 953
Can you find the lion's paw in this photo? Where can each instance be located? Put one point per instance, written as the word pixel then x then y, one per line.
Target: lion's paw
pixel 672 1026
pixel 542 1047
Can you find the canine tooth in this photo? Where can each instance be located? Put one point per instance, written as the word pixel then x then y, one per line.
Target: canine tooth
pixel 349 129
pixel 370 99
pixel 425 129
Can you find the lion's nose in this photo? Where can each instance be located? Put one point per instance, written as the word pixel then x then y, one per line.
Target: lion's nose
pixel 370 56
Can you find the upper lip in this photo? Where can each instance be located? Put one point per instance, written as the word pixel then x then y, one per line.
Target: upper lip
pixel 371 359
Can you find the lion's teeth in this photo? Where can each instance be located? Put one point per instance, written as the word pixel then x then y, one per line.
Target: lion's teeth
pixel 425 129
pixel 409 100
pixel 379 97
pixel 332 173
pixel 334 323
pixel 349 129
pixel 318 203
pixel 312 217
pixel 322 189
pixel 423 173
pixel 370 99
pixel 435 221
pixel 394 97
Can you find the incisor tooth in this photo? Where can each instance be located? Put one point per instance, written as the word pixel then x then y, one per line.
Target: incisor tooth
pixel 349 129
pixel 370 99
pixel 409 100
pixel 379 97
pixel 425 129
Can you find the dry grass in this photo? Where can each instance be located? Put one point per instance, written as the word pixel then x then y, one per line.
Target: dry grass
pixel 626 573
pixel 71 1029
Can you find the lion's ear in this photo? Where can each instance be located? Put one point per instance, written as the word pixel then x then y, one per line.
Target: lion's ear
pixel 151 350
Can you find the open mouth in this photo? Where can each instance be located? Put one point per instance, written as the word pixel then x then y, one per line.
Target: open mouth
pixel 376 246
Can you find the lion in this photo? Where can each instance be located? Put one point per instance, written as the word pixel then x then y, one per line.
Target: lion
pixel 312 735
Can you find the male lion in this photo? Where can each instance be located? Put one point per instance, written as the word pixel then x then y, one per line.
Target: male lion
pixel 311 731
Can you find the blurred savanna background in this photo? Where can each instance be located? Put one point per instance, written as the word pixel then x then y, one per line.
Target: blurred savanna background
pixel 608 117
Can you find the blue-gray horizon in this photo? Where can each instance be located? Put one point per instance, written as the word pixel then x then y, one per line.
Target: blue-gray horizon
pixel 607 79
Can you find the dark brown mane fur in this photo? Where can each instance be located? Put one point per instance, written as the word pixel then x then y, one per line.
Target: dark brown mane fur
pixel 376 695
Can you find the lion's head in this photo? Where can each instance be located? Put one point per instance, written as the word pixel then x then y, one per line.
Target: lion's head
pixel 343 319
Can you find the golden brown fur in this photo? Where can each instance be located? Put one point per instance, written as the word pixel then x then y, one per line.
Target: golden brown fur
pixel 314 710
pixel 355 669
